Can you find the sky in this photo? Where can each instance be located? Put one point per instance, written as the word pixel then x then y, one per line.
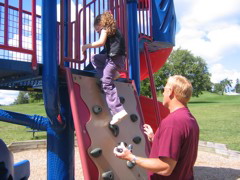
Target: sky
pixel 211 29
pixel 208 28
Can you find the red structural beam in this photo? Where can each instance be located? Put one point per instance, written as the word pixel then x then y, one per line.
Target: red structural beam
pixel 152 84
pixel 16 49
pixel 6 23
pixel 20 11
pixel 17 9
pixel 34 34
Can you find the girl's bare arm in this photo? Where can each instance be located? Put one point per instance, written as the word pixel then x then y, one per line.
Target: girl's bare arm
pixel 100 42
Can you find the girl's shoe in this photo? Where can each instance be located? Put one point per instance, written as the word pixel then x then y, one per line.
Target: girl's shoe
pixel 118 117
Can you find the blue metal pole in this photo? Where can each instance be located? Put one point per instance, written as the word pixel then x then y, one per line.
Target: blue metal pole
pixel 50 63
pixel 133 46
pixel 60 146
pixel 66 16
pixel 35 121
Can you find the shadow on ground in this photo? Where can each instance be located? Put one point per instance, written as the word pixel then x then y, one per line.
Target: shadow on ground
pixel 211 173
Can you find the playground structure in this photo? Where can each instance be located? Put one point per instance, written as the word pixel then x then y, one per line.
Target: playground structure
pixel 39 53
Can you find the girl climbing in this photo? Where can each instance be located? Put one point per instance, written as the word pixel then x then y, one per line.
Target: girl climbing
pixel 108 64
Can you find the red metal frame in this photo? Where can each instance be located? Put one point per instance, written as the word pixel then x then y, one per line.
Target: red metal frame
pixel 80 33
pixel 6 23
pixel 34 33
pixel 77 29
pixel 18 25
pixel 152 84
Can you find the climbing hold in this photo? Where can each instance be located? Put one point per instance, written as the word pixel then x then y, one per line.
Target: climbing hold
pixel 133 117
pixel 125 144
pixel 130 147
pixel 114 129
pixel 122 100
pixel 120 150
pixel 137 140
pixel 96 152
pixel 108 175
pixel 96 109
pixel 130 165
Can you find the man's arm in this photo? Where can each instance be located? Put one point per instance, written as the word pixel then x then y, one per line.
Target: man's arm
pixel 162 165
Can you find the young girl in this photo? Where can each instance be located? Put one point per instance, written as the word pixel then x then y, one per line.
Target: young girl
pixel 107 65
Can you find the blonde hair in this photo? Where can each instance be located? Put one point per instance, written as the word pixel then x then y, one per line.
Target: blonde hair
pixel 182 87
pixel 107 21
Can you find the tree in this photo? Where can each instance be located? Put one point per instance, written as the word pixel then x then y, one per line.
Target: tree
pixel 183 62
pixel 237 86
pixel 35 96
pixel 221 87
pixel 160 79
pixel 225 84
pixel 217 88
pixel 145 88
pixel 22 98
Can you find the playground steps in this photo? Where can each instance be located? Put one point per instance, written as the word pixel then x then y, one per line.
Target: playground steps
pixel 18 75
pixel 23 84
pixel 95 139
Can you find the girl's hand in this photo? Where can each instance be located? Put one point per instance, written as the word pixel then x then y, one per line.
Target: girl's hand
pixel 148 131
pixel 84 48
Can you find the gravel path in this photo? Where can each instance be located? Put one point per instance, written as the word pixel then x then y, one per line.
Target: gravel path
pixel 209 166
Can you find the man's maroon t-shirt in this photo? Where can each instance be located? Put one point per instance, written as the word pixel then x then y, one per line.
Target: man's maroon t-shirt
pixel 177 138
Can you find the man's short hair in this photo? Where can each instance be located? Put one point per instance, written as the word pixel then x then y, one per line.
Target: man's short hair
pixel 182 87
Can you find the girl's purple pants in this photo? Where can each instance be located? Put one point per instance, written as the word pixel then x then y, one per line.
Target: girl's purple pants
pixel 106 68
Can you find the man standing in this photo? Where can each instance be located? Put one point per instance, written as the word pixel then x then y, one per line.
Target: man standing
pixel 175 143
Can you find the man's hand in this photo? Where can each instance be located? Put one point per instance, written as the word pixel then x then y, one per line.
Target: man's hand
pixel 122 152
pixel 160 165
pixel 148 131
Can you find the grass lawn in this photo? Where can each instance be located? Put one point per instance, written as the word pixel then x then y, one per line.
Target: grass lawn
pixel 12 133
pixel 218 117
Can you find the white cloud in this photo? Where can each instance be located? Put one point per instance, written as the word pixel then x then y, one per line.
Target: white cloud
pixel 7 96
pixel 219 73
pixel 210 45
pixel 211 29
pixel 201 12
pixel 38 10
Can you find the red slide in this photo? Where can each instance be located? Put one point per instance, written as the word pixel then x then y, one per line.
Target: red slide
pixel 158 59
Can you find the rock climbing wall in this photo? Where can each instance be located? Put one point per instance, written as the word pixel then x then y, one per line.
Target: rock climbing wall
pixel 104 137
